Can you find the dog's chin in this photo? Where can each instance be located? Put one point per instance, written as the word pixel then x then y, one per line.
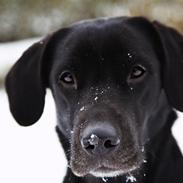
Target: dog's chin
pixel 107 172
pixel 106 167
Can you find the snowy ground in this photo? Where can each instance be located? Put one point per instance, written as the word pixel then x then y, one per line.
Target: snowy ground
pixel 30 154
pixel 33 154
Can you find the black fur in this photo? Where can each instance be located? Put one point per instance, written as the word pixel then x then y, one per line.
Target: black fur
pixel 103 98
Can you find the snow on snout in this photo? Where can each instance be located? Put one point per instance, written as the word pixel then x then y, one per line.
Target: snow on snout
pixel 130 178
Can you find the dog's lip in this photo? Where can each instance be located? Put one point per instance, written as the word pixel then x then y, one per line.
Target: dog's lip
pixel 105 169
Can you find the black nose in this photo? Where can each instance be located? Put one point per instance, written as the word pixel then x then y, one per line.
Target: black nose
pixel 100 140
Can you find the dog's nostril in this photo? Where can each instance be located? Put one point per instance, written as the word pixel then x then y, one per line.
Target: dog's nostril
pixel 91 142
pixel 90 147
pixel 110 143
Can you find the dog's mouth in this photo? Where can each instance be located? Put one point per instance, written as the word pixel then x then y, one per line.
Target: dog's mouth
pixel 105 172
pixel 107 168
pixel 111 172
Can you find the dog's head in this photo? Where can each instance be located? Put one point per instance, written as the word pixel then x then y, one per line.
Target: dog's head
pixel 114 82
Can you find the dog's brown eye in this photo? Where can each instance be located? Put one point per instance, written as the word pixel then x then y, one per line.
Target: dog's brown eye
pixel 67 79
pixel 137 72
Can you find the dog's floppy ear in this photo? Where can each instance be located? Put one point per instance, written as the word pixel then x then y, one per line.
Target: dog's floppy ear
pixel 25 85
pixel 172 43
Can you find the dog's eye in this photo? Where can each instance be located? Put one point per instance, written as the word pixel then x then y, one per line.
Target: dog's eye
pixel 66 78
pixel 137 72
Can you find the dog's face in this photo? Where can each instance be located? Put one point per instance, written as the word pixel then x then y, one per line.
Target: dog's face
pixel 102 85
pixel 107 80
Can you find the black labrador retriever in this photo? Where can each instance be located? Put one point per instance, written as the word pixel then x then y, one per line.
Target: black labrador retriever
pixel 115 82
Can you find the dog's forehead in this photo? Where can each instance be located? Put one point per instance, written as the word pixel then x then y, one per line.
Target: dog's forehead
pixel 100 36
pixel 104 41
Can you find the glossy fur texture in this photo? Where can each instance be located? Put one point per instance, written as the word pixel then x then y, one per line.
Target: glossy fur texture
pixel 115 82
